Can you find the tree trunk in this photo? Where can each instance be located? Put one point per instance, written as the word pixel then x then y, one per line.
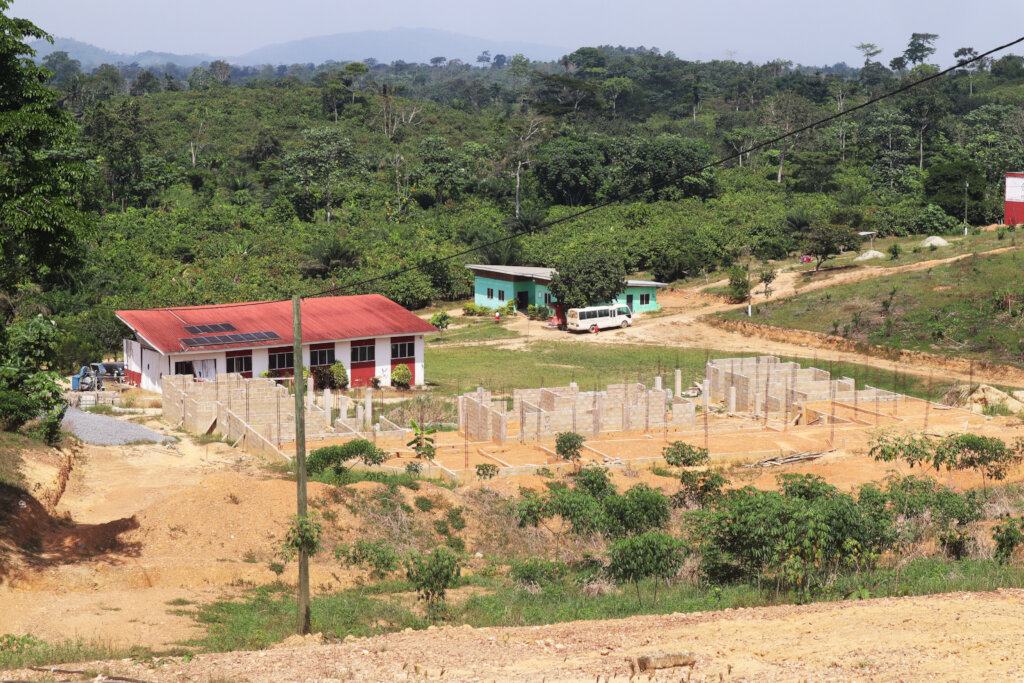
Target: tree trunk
pixel 328 203
pixel 519 168
pixel 920 149
pixel 782 158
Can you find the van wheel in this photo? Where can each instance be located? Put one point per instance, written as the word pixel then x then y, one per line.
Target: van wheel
pixel 593 329
pixel 625 324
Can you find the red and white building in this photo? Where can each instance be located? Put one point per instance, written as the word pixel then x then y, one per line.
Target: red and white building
pixel 370 334
pixel 1014 206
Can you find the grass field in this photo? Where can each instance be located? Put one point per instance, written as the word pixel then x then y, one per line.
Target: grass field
pixel 472 330
pixel 267 615
pixel 971 308
pixel 462 368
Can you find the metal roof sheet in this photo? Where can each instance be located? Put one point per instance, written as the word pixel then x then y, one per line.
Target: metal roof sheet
pixel 323 319
pixel 547 273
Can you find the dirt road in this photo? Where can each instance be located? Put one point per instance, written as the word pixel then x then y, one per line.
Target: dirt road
pixel 681 324
pixel 960 636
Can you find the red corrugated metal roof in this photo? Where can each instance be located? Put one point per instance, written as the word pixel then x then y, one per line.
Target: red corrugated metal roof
pixel 323 319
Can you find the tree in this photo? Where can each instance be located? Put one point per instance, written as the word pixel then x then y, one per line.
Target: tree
pixel 739 284
pixel 29 388
pixel 588 276
pixel 40 225
pixel 869 50
pixel 827 240
pixel 612 88
pixel 653 555
pixel 323 163
pixel 682 454
pixel 965 54
pixel 221 71
pixel 438 61
pixel 62 66
pixel 145 83
pixel 422 441
pixel 433 575
pixel 484 57
pixel 570 170
pixel 119 135
pixel 674 166
pixel 569 445
pixel 920 47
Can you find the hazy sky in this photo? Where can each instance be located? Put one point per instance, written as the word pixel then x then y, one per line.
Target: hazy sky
pixel 805 31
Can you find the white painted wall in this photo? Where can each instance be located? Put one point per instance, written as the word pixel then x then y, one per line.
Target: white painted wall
pixel 343 355
pixel 260 361
pixel 419 360
pixel 154 365
pixel 383 360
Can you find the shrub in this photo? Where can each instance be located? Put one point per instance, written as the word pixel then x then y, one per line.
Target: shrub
pixel 699 488
pixel 538 572
pixel 424 504
pixel 538 312
pixel 568 445
pixel 339 376
pixel 650 555
pixel 682 454
pixel 401 376
pixel 441 320
pixel 639 510
pixel 486 470
pixel 433 575
pixel 333 457
pixel 15 410
pixel 472 309
pixel 441 527
pixel 455 543
pixel 594 480
pixel 739 284
pixel 456 520
pixel 895 251
pixel 378 555
pixel 303 535
pixel 1008 536
pixel 413 468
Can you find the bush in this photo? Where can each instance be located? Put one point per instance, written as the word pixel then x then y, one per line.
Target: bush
pixel 894 251
pixel 433 575
pixel 378 555
pixel 339 376
pixel 424 504
pixel 15 410
pixel 1008 536
pixel 538 572
pixel 639 510
pixel 594 480
pixel 682 454
pixel 568 445
pixel 455 519
pixel 699 488
pixel 401 376
pixel 413 468
pixel 486 470
pixel 652 555
pixel 333 457
pixel 739 284
pixel 472 309
pixel 538 312
pixel 441 320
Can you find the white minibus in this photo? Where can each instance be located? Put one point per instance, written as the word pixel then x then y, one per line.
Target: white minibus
pixel 594 318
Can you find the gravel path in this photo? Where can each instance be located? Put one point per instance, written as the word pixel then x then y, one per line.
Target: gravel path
pixel 101 430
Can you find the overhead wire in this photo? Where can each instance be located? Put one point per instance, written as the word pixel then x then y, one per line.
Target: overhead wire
pixel 609 202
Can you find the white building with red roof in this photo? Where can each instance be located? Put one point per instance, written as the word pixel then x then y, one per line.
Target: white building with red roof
pixel 370 334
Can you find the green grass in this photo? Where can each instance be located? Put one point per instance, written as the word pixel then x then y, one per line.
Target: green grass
pixel 558 363
pixel 474 330
pixel 267 615
pixel 957 309
pixel 26 650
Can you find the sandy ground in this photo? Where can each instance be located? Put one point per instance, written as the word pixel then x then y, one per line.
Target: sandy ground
pixel 953 637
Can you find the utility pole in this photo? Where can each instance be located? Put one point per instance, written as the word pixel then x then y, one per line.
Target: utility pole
pixel 304 626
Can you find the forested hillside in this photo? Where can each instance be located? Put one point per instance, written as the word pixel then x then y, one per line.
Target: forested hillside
pixel 228 184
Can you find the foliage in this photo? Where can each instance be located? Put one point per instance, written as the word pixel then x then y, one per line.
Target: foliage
pixel 699 488
pixel 569 445
pixel 423 441
pixel 441 320
pixel 682 454
pixel 588 275
pixel 1008 535
pixel 339 376
pixel 595 481
pixel 653 555
pixel 423 504
pixel 401 376
pixel 538 572
pixel 333 457
pixel 824 241
pixel 486 470
pixel 434 574
pixel 987 455
pixel 303 536
pixel 378 555
pixel 638 510
pixel 28 387
pixel 739 284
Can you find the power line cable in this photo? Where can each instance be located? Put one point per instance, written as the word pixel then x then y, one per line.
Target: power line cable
pixel 629 195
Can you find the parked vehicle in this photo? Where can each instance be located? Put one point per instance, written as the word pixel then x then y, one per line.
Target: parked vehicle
pixel 86 380
pixel 594 318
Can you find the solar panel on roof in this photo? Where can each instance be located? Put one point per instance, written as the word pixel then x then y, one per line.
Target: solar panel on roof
pixel 207 329
pixel 216 340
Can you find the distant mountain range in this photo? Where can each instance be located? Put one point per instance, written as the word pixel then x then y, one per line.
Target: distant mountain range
pixel 406 44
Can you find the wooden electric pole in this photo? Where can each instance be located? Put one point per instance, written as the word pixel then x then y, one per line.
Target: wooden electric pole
pixel 304 626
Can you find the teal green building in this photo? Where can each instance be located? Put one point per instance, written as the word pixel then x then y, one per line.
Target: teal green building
pixel 495 286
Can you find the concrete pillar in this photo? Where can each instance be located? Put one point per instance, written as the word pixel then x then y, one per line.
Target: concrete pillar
pixel 360 425
pixel 732 399
pixel 343 405
pixel 657 383
pixel 678 383
pixel 327 399
pixel 705 393
pixel 368 406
